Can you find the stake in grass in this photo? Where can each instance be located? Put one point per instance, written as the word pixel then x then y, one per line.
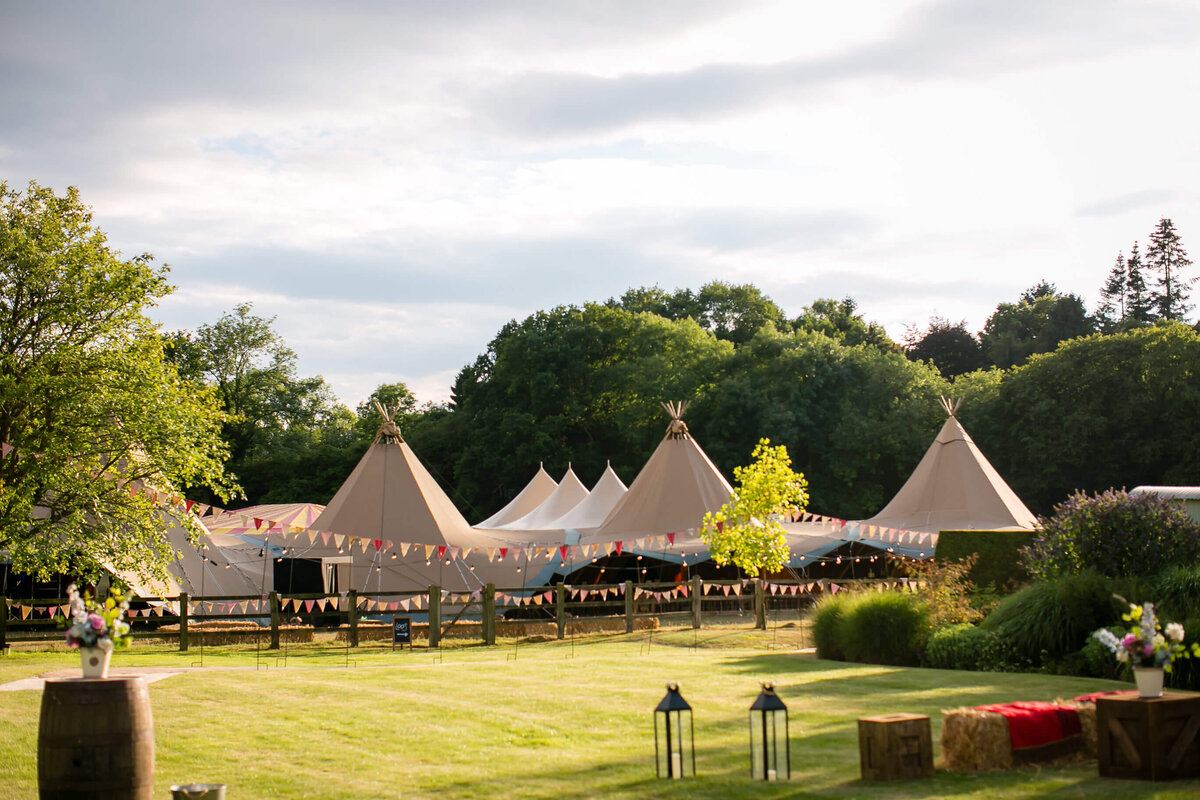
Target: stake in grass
pixel 746 530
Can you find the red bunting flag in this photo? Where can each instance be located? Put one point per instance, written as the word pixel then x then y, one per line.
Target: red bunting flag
pixel 671 538
pixel 618 544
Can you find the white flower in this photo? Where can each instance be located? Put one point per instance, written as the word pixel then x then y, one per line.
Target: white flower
pixel 1174 631
pixel 105 643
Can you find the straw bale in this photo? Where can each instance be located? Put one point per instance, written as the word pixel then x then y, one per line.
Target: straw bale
pixel 373 630
pixel 974 740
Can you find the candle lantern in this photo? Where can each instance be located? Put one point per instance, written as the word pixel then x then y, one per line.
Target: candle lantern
pixel 770 759
pixel 674 750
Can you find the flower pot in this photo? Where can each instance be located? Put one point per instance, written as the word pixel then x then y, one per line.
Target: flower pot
pixel 94 661
pixel 1149 681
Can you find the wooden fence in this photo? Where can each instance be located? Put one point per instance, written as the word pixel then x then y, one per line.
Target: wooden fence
pixel 567 607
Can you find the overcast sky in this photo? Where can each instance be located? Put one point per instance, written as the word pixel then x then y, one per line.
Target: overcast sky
pixel 395 181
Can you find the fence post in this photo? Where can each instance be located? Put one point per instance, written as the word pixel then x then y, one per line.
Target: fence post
pixel 3 622
pixel 489 614
pixel 352 598
pixel 629 606
pixel 275 620
pixel 560 611
pixel 760 606
pixel 697 596
pixel 435 616
pixel 183 620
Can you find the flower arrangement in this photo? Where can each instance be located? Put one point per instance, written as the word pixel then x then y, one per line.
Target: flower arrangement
pixel 95 624
pixel 1147 644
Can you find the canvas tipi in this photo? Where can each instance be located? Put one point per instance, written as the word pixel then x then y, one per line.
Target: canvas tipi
pixel 954 488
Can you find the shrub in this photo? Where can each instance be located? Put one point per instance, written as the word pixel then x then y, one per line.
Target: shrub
pixel 946 589
pixel 968 647
pixel 826 621
pixel 955 647
pixel 998 552
pixel 1115 534
pixel 1048 620
pixel 885 628
pixel 1177 592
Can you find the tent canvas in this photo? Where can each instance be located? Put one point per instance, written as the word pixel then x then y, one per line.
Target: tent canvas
pixel 533 495
pixel 954 488
pixel 594 509
pixel 569 493
pixel 674 490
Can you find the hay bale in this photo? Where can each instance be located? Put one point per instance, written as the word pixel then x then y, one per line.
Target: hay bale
pixel 974 740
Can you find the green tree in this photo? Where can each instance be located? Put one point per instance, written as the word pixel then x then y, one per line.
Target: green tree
pixel 1111 311
pixel 272 415
pixel 838 319
pixel 746 530
pixel 578 385
pixel 1099 411
pixel 731 312
pixel 1167 259
pixel 1034 324
pixel 1139 304
pixel 90 408
pixel 950 347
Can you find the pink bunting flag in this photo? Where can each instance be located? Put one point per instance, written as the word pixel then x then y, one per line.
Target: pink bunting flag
pixel 5 449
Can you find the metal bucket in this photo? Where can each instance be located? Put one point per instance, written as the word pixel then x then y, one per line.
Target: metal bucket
pixel 199 791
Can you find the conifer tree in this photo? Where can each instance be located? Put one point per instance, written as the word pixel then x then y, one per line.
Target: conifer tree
pixel 1166 258
pixel 1111 312
pixel 1139 304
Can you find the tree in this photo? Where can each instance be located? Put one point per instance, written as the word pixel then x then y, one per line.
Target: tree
pixel 951 348
pixel 746 530
pixel 272 414
pixel 1139 304
pixel 92 411
pixel 1167 259
pixel 1036 323
pixel 1099 411
pixel 1111 311
pixel 731 312
pixel 838 319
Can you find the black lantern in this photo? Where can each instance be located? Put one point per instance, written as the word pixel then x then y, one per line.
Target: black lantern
pixel 769 756
pixel 674 750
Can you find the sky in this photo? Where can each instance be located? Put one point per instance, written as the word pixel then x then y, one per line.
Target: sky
pixel 392 182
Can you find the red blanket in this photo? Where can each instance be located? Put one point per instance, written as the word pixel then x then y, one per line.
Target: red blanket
pixel 1035 724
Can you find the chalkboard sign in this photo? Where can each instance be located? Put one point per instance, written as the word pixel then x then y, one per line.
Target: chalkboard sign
pixel 401 630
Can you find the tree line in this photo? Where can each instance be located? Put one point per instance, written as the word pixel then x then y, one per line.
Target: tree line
pixel 1072 408
pixel 92 397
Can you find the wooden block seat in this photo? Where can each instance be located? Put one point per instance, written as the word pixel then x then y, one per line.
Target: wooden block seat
pixel 895 746
pixel 1149 738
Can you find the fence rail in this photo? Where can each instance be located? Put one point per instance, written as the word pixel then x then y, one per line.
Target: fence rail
pixel 562 603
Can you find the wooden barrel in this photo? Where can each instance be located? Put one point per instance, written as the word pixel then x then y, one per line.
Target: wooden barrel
pixel 96 740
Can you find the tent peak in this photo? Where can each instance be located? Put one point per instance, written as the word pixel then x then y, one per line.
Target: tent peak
pixel 950 405
pixel 389 431
pixel 678 429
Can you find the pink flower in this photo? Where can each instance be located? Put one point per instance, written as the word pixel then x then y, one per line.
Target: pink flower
pixel 1130 640
pixel 96 621
pixel 1148 650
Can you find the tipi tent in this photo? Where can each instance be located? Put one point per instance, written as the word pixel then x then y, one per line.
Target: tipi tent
pixel 569 493
pixel 391 497
pixel 595 508
pixel 672 493
pixel 954 488
pixel 540 487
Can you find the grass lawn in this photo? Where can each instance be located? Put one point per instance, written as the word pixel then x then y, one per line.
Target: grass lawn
pixel 550 720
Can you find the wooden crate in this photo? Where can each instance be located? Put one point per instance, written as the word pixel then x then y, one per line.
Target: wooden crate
pixel 895 746
pixel 1149 738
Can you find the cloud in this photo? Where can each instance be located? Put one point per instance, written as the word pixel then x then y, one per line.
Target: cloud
pixel 940 39
pixel 1132 201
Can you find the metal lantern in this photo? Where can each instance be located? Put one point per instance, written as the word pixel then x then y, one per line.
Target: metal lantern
pixel 770 759
pixel 674 749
